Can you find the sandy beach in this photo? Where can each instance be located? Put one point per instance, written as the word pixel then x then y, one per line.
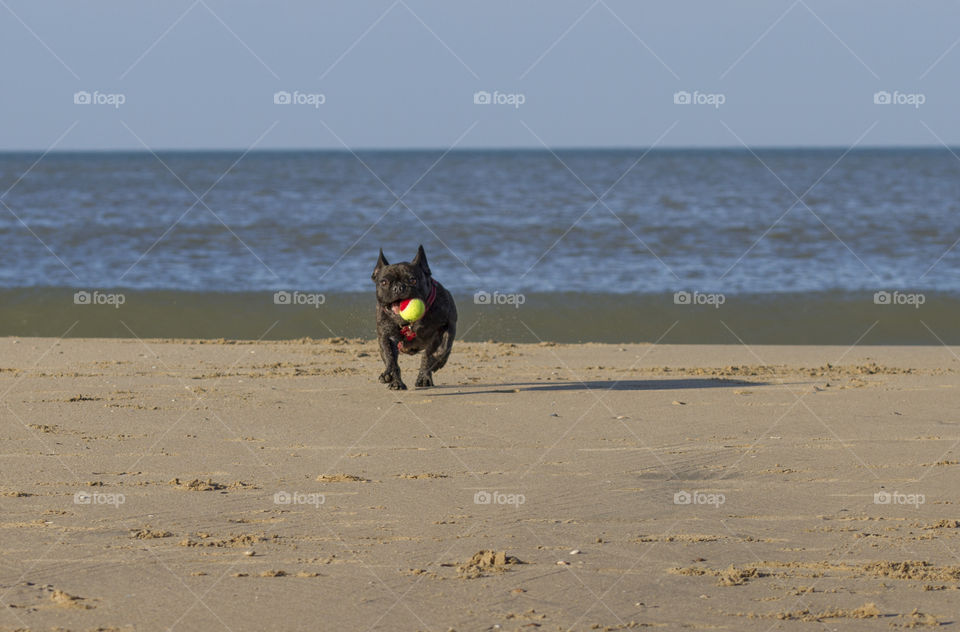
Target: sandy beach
pixel 191 485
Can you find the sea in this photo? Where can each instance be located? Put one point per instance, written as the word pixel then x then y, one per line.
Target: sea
pixel 745 246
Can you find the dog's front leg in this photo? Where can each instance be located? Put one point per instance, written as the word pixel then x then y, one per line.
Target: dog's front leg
pixel 435 357
pixel 391 374
pixel 425 377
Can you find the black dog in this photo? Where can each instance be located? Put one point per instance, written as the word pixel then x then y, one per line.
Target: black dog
pixel 433 333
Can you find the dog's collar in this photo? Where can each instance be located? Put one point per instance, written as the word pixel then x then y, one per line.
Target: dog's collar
pixel 408 333
pixel 433 294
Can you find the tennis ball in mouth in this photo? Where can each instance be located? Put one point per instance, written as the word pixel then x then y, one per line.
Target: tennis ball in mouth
pixel 412 309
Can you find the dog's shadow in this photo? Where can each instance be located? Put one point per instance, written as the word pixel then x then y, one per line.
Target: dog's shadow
pixel 595 385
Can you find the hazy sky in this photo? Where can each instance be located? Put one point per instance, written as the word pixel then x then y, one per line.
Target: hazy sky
pixel 395 74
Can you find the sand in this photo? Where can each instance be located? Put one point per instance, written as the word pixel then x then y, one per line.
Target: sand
pixel 194 485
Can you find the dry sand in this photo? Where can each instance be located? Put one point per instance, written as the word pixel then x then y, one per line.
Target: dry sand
pixel 139 483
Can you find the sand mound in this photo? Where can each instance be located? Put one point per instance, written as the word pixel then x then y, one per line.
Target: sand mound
pixel 68 601
pixel 233 540
pixel 150 534
pixel 484 561
pixel 196 485
pixel 341 478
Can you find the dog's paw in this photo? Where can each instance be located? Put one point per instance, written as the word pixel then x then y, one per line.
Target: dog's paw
pixel 424 381
pixel 391 377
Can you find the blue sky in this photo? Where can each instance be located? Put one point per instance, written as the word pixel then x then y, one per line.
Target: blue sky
pixel 203 74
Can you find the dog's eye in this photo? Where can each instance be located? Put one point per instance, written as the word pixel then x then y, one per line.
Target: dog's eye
pixel 411 281
pixel 383 282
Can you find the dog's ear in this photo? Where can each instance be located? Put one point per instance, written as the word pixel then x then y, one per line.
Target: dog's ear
pixel 381 264
pixel 421 261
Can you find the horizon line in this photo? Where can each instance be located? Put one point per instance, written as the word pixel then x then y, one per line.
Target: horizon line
pixel 519 148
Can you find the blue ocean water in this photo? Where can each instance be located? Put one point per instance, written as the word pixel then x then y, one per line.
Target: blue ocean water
pixel 582 221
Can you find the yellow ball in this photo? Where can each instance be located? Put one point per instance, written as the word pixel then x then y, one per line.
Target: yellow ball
pixel 412 310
